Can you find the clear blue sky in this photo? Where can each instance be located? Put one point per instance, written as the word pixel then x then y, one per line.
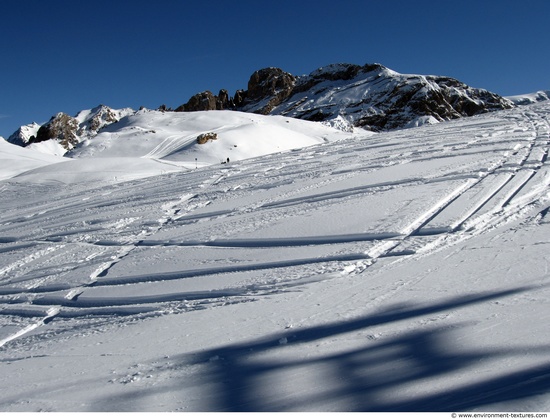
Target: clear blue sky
pixel 72 55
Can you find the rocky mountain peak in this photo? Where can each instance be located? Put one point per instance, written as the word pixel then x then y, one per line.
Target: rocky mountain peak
pixel 90 122
pixel 207 101
pixel 370 96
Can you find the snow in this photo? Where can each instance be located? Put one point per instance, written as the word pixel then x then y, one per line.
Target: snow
pixel 172 136
pixel 24 133
pixel 48 147
pixel 530 98
pixel 403 271
pixel 15 160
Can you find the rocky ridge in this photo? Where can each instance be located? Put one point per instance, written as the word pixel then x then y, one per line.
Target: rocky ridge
pixel 370 96
pixel 67 130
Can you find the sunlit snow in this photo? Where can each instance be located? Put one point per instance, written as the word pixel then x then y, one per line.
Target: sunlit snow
pixel 317 270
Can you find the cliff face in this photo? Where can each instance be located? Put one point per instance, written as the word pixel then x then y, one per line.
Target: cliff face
pixel 60 127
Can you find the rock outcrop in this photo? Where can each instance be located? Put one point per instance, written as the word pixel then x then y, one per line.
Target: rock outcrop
pixel 96 119
pixel 207 136
pixel 60 127
pixel 207 101
pixel 268 87
pixel 379 99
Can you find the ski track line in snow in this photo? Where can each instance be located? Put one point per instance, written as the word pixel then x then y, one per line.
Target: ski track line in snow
pixel 106 306
pixel 505 200
pixel 51 313
pixel 498 207
pixel 170 145
pixel 481 223
pixel 171 209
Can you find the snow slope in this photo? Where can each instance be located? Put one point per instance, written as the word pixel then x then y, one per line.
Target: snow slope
pixel 150 143
pixel 406 271
pixel 172 136
pixel 15 160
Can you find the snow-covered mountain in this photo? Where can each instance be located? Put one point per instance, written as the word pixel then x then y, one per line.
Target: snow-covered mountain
pixel 529 98
pixel 370 96
pixel 344 96
pixel 23 134
pixel 15 160
pixel 63 132
pixel 91 121
pixel 403 271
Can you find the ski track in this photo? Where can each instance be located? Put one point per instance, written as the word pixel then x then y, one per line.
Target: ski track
pixel 54 254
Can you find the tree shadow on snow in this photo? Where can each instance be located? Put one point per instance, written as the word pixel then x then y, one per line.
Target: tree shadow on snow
pixel 275 373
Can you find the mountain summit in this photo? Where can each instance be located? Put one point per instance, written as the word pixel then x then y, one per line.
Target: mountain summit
pixel 370 96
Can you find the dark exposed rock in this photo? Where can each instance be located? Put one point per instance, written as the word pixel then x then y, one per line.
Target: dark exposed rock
pixel 207 136
pixel 204 101
pixel 164 108
pixel 239 98
pixel 207 101
pixel 272 85
pixel 223 101
pixel 269 81
pixel 60 127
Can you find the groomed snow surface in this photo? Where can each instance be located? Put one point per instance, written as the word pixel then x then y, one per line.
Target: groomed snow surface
pixel 405 271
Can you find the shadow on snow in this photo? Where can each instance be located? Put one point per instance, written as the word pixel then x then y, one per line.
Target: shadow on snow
pixel 257 376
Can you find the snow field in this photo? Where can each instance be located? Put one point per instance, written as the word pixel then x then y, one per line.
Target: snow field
pixel 403 271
